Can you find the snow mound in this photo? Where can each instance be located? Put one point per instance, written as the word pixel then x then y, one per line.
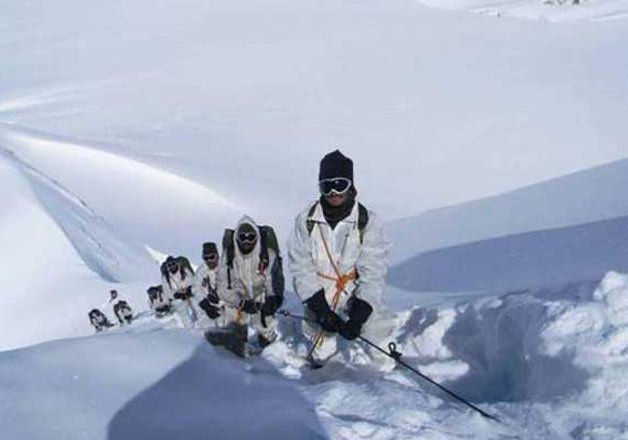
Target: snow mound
pixel 146 383
pixel 44 280
pixel 560 361
pixel 59 258
pixel 100 248
pixel 140 202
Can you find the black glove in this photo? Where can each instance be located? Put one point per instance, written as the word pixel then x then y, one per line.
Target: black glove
pixel 359 313
pixel 184 294
pixel 249 306
pixel 212 297
pixel 271 305
pixel 325 316
pixel 212 311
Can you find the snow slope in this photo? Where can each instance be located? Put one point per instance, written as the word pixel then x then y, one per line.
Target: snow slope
pixel 159 384
pixel 138 201
pixel 131 129
pixel 44 280
pixel 550 367
pixel 244 97
pixel 587 196
pixel 549 258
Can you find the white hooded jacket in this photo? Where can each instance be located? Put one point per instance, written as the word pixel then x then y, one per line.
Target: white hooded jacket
pixel 177 282
pixel 311 266
pixel 247 282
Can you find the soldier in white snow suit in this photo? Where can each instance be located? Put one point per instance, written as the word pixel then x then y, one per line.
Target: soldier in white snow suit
pixel 123 312
pixel 159 303
pixel 205 285
pixel 177 280
pixel 250 278
pixel 338 258
pixel 99 320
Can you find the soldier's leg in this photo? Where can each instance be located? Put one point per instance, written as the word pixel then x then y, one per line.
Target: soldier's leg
pixel 326 344
pixel 379 329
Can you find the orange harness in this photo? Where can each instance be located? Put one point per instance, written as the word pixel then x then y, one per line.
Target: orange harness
pixel 341 281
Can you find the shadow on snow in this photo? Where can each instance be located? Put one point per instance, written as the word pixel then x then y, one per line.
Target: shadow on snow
pixel 215 395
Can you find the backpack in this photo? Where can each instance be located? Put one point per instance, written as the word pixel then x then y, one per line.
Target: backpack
pixel 268 240
pixel 363 220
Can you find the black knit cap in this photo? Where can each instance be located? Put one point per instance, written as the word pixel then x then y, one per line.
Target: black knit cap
pixel 336 164
pixel 210 248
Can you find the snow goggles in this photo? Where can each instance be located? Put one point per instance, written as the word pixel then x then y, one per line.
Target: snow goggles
pixel 338 185
pixel 247 237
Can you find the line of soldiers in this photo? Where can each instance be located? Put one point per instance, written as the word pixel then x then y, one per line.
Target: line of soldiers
pixel 242 290
pixel 121 309
pixel 338 259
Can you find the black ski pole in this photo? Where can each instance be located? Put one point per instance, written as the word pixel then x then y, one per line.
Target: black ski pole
pixel 396 355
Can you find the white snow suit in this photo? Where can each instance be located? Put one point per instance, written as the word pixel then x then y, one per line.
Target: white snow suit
pixel 205 281
pixel 248 282
pixel 361 261
pixel 160 303
pixel 179 282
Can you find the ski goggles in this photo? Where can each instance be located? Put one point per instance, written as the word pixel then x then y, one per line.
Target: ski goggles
pixel 210 257
pixel 338 185
pixel 247 237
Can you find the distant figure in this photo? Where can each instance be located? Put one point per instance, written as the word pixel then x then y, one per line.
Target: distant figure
pixel 159 303
pixel 99 320
pixel 251 284
pixel 205 283
pixel 113 295
pixel 177 278
pixel 123 312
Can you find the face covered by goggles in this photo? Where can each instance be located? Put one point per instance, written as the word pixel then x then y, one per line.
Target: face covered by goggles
pixel 337 185
pixel 172 267
pixel 247 237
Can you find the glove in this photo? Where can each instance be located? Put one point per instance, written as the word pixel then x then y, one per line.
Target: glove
pixel 327 318
pixel 359 313
pixel 271 305
pixel 184 294
pixel 249 306
pixel 212 297
pixel 212 311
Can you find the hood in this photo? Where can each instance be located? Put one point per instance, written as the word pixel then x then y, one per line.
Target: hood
pixel 256 250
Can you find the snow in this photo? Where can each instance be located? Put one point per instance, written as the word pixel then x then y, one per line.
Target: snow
pixel 549 258
pixel 493 146
pixel 546 10
pixel 244 97
pixel 156 384
pixel 579 198
pixel 548 367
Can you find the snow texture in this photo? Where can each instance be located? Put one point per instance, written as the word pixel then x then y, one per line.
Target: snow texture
pixel 133 130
